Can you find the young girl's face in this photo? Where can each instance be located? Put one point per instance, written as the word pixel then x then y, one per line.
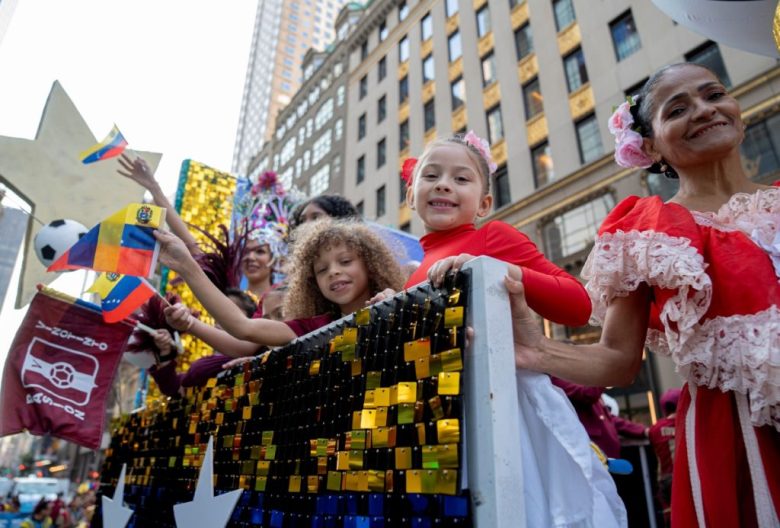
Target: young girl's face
pixel 342 277
pixel 448 190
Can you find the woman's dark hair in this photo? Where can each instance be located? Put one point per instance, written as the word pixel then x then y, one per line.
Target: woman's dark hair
pixel 334 205
pixel 245 301
pixel 644 106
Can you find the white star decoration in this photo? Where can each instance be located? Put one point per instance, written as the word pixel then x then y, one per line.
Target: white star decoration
pixel 206 509
pixel 48 173
pixel 115 515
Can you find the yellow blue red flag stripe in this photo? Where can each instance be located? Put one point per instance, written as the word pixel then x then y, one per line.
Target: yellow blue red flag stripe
pixel 113 145
pixel 122 243
pixel 121 295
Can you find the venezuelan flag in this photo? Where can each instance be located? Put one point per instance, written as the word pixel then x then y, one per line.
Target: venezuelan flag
pixel 113 145
pixel 122 243
pixel 120 295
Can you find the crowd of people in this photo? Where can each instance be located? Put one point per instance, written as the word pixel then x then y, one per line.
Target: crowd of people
pixel 695 278
pixel 57 513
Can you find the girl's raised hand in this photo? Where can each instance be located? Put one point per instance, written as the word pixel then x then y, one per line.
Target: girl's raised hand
pixel 179 317
pixel 525 328
pixel 381 296
pixel 439 270
pixel 173 251
pixel 137 170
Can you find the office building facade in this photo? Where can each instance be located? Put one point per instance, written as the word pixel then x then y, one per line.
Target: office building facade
pixel 284 31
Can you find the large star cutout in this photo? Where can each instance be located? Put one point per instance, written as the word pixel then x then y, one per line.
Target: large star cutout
pixel 206 509
pixel 115 515
pixel 48 173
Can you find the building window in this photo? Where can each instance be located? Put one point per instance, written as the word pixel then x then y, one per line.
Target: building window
pixel 381 72
pixel 321 147
pixel 401 190
pixel 381 109
pixel 625 37
pixel 488 69
pixel 364 50
pixel 761 150
pixel 320 181
pixel 501 193
pixel 362 126
pixel 380 202
pixel 381 153
pixel 576 73
pixel 340 96
pixel 403 49
pixel 575 230
pixel 429 115
pixel 483 21
pixel 532 97
pixel 543 164
pixel 495 124
pixel 363 86
pixel 361 169
pixel 382 31
pixel 339 129
pixel 454 47
pixel 708 55
pixel 323 114
pixel 427 68
pixel 403 89
pixel 403 11
pixel 360 206
pixel 524 42
pixel 564 13
pixel 426 27
pixel 450 7
pixel 403 135
pixel 306 160
pixel 589 139
pixel 458 92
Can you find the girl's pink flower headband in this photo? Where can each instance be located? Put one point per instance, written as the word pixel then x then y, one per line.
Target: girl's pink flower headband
pixel 483 147
pixel 628 142
pixel 471 139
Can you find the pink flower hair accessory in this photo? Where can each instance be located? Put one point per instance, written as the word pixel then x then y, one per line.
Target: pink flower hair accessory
pixel 628 142
pixel 483 147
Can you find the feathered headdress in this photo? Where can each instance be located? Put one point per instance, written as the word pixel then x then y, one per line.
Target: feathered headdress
pixel 266 210
pixel 221 257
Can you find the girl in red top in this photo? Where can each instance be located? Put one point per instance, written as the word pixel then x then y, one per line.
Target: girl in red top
pixel 450 190
pixel 336 267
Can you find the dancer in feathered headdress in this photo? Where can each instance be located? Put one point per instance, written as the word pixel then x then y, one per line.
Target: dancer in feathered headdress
pixel 264 213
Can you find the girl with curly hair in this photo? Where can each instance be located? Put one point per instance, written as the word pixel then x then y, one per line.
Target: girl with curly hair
pixel 336 268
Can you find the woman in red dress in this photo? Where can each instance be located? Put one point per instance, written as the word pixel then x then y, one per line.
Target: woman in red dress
pixel 697 279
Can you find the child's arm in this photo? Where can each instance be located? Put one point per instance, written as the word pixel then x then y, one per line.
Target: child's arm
pixel 180 317
pixel 174 254
pixel 138 171
pixel 551 292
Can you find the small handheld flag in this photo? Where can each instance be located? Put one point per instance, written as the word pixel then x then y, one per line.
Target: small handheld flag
pixel 113 145
pixel 121 294
pixel 122 243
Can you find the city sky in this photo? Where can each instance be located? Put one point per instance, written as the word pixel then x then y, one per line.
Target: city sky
pixel 170 74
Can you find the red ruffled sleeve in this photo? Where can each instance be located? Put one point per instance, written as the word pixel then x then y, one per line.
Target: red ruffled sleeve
pixel 550 291
pixel 645 240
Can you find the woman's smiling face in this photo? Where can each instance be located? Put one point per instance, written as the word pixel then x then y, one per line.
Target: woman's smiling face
pixel 694 119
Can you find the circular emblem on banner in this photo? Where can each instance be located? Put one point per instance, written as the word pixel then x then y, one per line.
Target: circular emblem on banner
pixel 112 276
pixel 144 214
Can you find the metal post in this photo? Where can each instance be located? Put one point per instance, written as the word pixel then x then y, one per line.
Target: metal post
pixel 495 473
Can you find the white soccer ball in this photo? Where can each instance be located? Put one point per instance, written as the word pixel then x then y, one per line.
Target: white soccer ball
pixel 55 238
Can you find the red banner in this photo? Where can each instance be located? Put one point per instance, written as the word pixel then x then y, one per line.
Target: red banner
pixel 59 371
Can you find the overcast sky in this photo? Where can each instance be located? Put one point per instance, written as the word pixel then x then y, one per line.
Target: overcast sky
pixel 169 73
